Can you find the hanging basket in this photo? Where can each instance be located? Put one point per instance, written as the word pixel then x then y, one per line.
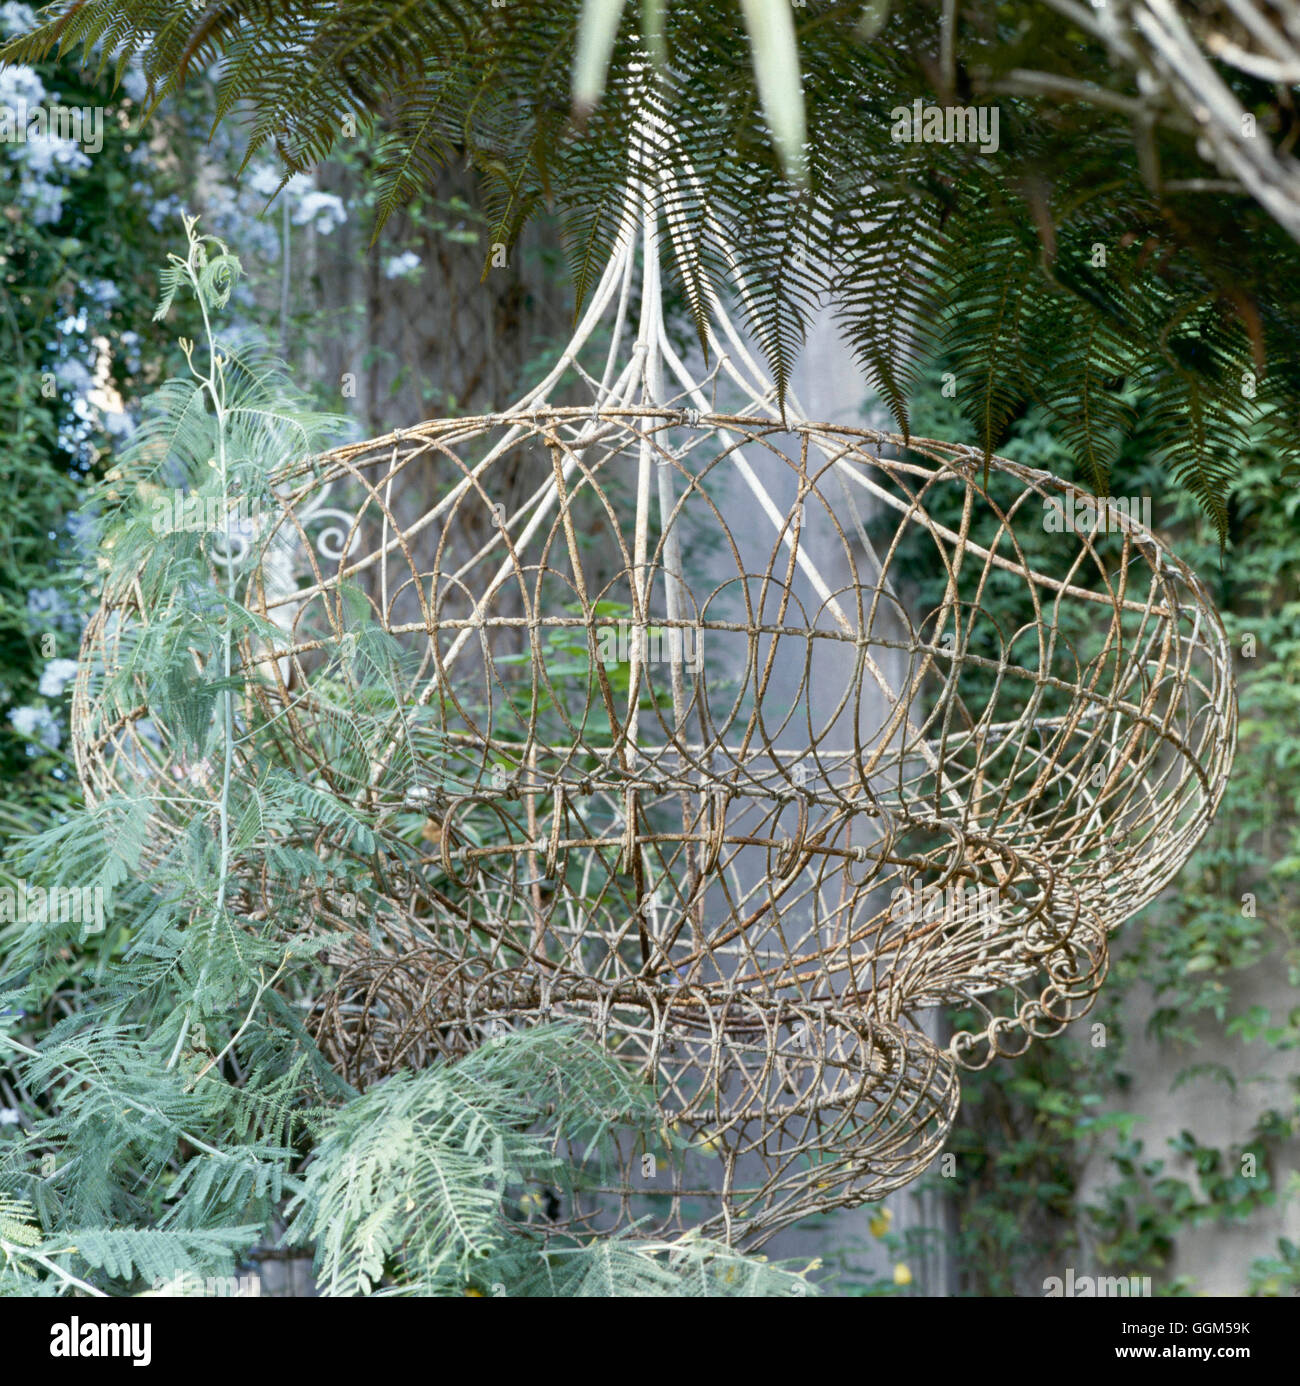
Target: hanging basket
pixel 661 732
pixel 745 822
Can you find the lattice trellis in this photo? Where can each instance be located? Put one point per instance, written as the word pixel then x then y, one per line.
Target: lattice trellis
pixel 691 772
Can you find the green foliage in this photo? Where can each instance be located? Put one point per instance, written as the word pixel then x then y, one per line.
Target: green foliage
pixel 1072 274
pixel 77 254
pixel 178 1104
pixel 178 1111
pixel 1277 1275
pixel 435 1183
pixel 423 1170
pixel 689 1266
pixel 1029 1130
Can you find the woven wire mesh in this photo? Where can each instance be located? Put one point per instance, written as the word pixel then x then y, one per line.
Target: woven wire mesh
pixel 761 834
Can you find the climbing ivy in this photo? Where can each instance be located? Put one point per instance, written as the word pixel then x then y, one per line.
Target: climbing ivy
pixel 1032 1133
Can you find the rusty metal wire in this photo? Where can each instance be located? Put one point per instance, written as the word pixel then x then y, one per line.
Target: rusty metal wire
pixel 696 775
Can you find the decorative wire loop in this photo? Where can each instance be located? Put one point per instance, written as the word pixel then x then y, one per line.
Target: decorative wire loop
pixel 623 844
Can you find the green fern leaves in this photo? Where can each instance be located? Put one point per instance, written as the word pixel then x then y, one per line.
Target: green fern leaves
pixel 175 1106
pixel 1055 267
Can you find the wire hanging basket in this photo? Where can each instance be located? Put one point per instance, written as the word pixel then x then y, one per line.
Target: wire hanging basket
pixel 684 764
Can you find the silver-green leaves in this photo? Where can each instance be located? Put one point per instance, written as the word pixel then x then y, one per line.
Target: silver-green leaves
pixel 597 30
pixel 775 50
pixel 780 86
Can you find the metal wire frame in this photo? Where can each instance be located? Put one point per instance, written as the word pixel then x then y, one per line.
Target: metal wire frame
pixel 762 843
pixel 711 884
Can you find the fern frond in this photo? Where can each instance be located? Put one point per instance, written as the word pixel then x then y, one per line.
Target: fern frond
pixel 881 223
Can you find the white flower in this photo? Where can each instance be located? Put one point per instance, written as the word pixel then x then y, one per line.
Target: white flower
pixel 44 200
pixel 36 724
pixel 103 291
pixel 118 424
pixel 47 607
pixel 55 675
pixel 43 156
pixel 14 19
pixel 9 1116
pixel 19 84
pixel 401 266
pixel 170 206
pixel 264 179
pixel 135 84
pixel 324 210
pixel 129 342
pixel 74 376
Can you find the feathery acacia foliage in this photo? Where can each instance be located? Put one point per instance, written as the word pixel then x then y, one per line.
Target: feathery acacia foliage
pixel 431 1181
pixel 174 1107
pixel 1079 217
